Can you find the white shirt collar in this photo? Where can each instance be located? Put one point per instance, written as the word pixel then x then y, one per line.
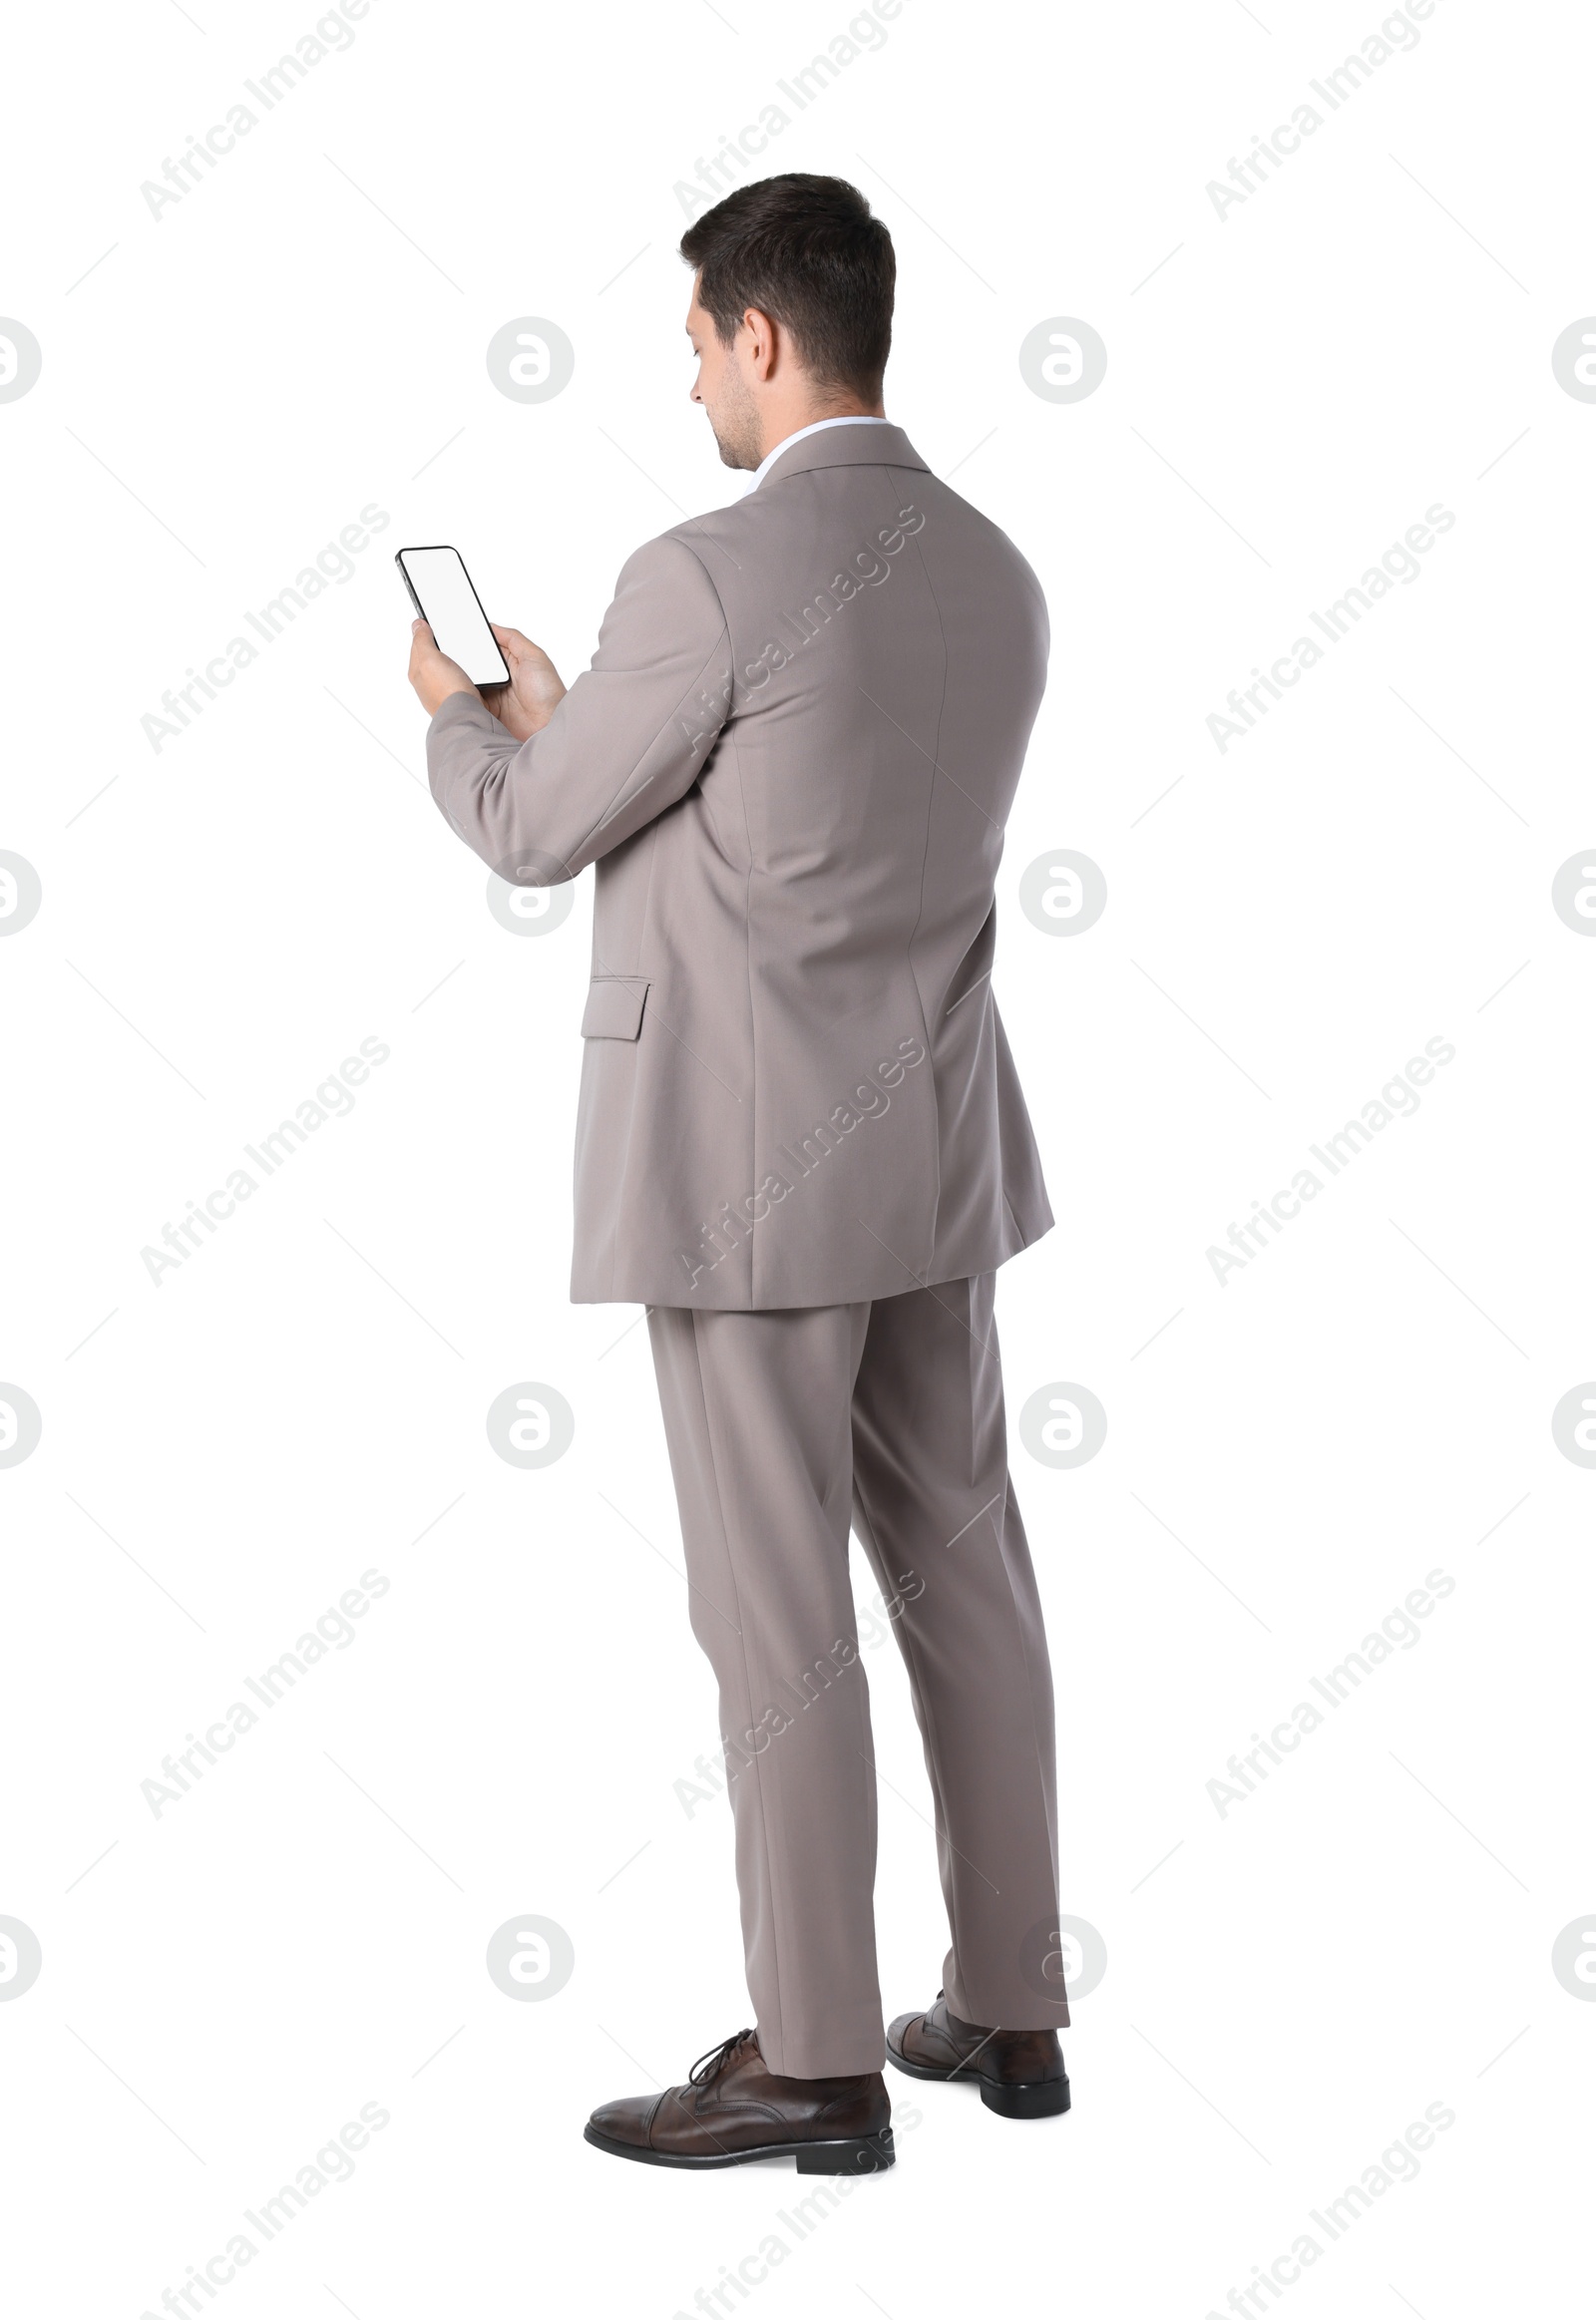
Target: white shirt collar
pixel 851 419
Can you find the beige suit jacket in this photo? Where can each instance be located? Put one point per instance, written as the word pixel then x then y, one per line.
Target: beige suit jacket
pixel 792 760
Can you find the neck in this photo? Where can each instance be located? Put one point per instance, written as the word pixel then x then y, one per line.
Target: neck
pixel 776 431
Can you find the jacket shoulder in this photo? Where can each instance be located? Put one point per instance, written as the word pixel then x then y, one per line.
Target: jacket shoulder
pixel 669 556
pixel 670 566
pixel 991 536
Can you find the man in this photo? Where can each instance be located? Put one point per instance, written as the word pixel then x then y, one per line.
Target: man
pixel 801 1143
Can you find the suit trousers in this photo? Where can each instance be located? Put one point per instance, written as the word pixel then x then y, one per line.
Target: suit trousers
pixel 782 1426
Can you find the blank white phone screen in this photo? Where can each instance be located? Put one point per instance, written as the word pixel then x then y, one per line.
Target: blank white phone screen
pixel 450 608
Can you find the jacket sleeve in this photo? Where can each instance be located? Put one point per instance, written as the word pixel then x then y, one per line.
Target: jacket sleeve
pixel 629 738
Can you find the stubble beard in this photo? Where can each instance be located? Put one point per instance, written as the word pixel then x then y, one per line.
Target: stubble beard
pixel 736 426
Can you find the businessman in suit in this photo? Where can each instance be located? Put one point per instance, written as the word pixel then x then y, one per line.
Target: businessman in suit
pixel 801 1143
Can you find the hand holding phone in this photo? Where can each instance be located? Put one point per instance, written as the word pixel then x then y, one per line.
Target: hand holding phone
pixel 522 683
pixel 535 690
pixel 441 590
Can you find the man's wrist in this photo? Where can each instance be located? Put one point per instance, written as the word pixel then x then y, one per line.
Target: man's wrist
pixel 459 693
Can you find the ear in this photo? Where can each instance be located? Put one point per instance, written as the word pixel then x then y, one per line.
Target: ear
pixel 760 343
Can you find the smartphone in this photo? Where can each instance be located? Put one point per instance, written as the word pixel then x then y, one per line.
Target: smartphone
pixel 441 590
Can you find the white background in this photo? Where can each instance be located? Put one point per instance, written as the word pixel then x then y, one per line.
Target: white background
pixel 1289 1985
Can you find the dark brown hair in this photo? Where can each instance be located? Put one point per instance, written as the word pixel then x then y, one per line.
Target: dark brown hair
pixel 806 251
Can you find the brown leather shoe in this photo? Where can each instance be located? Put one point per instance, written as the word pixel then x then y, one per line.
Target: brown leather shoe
pixel 733 2110
pixel 1020 2072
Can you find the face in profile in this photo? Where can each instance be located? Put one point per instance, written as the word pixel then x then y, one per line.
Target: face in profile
pixel 722 388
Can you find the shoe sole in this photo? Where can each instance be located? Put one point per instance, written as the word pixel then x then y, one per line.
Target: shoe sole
pixel 1043 2099
pixel 854 2154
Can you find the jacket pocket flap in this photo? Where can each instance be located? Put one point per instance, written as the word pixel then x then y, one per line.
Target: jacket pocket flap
pixel 615 1006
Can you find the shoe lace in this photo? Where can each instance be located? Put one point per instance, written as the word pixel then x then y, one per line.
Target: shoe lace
pixel 709 2065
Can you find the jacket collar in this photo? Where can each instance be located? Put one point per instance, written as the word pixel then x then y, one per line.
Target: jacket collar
pixel 846 447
